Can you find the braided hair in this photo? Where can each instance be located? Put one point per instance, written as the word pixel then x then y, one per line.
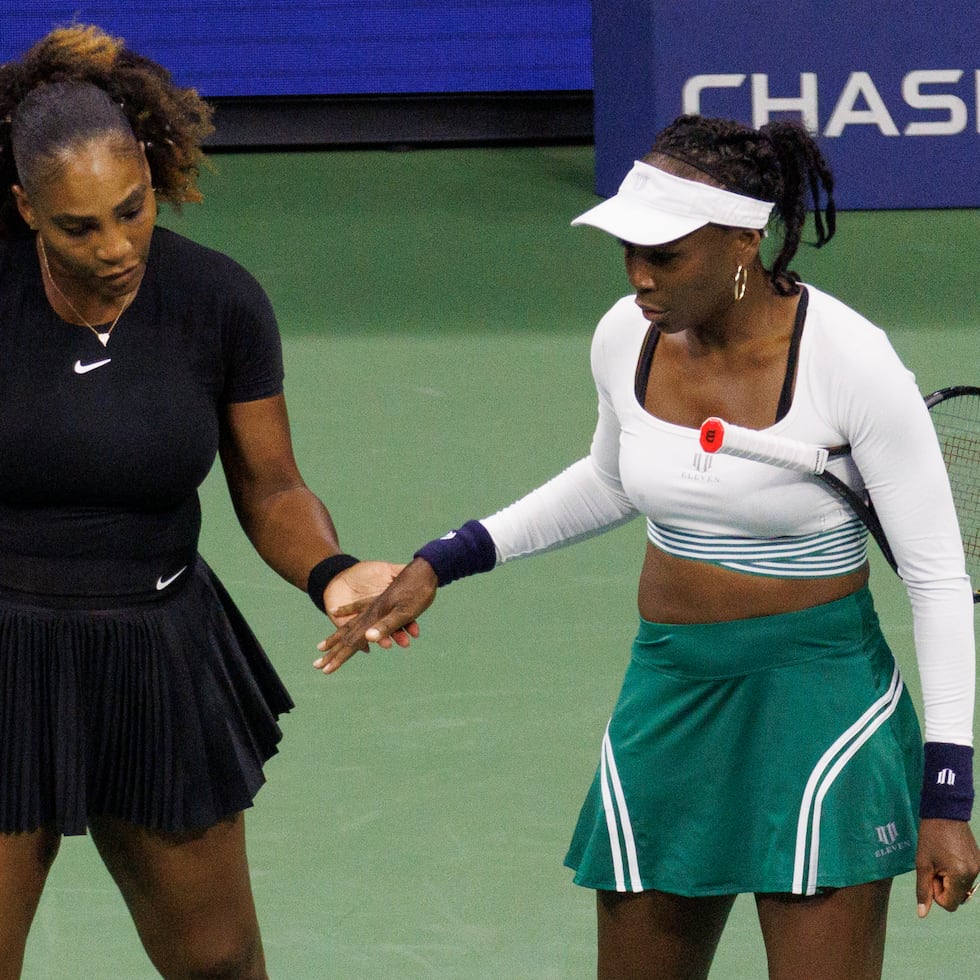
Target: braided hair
pixel 48 104
pixel 779 162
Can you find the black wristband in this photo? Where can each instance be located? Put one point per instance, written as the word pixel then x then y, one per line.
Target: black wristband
pixel 947 781
pixel 460 553
pixel 321 574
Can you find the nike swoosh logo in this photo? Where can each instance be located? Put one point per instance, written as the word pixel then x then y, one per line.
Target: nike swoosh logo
pixel 162 582
pixel 85 368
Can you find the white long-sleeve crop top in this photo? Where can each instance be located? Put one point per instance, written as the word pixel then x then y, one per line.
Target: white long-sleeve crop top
pixel 850 388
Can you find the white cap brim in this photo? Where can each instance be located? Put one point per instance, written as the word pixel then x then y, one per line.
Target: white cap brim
pixel 653 207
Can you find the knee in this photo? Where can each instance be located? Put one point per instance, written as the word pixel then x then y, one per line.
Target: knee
pixel 222 958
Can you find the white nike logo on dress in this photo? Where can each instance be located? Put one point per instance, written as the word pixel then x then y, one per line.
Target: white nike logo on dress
pixel 162 582
pixel 85 368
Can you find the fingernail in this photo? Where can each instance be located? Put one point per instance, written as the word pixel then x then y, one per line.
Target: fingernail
pixel 922 911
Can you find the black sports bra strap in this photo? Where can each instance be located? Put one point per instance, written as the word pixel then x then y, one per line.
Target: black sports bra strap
pixel 644 363
pixel 792 358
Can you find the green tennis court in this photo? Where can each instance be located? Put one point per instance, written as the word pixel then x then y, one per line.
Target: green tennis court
pixel 436 311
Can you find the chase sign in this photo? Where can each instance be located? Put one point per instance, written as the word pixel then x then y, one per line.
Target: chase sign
pixel 892 90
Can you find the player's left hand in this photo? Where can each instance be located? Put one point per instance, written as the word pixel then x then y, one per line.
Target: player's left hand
pixel 946 865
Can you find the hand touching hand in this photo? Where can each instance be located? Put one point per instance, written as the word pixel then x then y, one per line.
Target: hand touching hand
pixel 355 587
pixel 390 617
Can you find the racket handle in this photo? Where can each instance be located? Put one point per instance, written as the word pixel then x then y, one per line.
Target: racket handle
pixel 718 436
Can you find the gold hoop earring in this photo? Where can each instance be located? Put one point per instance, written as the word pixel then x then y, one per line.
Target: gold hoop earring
pixel 740 281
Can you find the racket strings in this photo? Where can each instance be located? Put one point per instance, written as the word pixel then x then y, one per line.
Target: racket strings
pixel 957 423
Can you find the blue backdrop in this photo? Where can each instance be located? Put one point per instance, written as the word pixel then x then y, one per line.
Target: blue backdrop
pixel 892 89
pixel 336 47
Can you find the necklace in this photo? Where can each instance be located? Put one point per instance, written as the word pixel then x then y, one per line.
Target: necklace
pixel 102 335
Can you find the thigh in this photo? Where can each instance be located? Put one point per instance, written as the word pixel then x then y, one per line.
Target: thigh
pixel 838 933
pixel 189 895
pixel 25 860
pixel 652 934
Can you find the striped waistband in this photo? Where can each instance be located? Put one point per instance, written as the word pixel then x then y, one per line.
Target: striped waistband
pixel 824 553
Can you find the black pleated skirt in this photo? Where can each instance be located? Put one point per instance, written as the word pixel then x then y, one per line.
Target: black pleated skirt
pixel 160 711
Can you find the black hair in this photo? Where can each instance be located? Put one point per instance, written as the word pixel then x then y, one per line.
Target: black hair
pixel 46 100
pixel 780 162
pixel 56 117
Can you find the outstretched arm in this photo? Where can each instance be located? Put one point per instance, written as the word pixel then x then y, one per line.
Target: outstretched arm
pixel 285 521
pixel 573 505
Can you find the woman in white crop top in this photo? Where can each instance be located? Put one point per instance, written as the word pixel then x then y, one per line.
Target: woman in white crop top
pixel 763 741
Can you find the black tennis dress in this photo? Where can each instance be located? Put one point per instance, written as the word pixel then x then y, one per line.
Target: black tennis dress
pixel 130 685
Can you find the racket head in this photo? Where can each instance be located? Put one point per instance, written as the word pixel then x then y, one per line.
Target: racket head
pixel 955 413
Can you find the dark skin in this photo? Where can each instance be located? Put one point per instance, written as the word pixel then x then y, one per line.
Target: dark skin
pixel 189 893
pixel 716 356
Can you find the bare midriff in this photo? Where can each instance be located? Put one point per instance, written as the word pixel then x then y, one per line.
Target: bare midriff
pixel 678 590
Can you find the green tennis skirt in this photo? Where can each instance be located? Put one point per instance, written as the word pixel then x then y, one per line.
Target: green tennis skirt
pixel 774 754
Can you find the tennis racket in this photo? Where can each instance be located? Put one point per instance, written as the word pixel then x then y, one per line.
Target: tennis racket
pixel 955 413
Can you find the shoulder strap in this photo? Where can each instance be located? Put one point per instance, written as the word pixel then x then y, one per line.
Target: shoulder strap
pixel 792 358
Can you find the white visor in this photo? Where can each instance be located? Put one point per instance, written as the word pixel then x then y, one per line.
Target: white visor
pixel 652 207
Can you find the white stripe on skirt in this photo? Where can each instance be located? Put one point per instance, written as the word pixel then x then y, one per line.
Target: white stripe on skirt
pixel 618 820
pixel 823 776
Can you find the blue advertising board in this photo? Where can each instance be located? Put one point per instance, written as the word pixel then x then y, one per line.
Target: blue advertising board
pixel 336 47
pixel 892 90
